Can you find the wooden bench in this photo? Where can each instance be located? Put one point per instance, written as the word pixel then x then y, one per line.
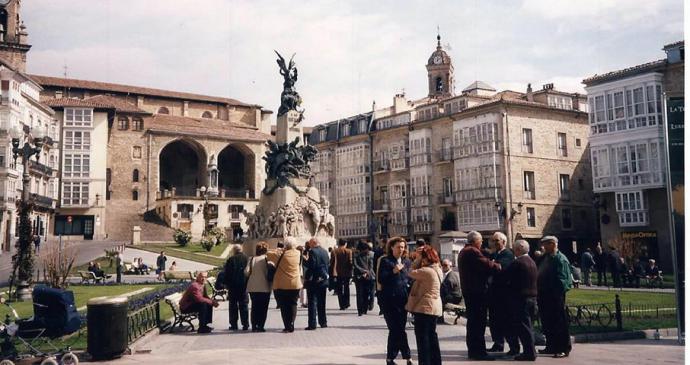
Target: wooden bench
pixel 173 301
pixel 218 294
pixel 178 275
pixel 455 309
pixel 130 269
pixel 90 276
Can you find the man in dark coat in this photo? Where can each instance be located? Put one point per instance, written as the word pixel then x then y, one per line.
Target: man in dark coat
pixel 342 267
pixel 600 264
pixel 522 274
pixel 316 283
pixel 553 282
pixel 499 294
pixel 236 283
pixel 615 267
pixel 475 269
pixel 587 264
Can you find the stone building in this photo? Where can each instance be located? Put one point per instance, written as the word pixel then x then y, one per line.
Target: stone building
pixel 159 149
pixel 21 109
pixel 628 152
pixel 479 160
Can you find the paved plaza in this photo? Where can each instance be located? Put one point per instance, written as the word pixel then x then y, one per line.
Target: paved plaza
pixel 350 339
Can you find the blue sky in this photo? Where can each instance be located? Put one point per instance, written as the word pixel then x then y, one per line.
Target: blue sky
pixel 349 53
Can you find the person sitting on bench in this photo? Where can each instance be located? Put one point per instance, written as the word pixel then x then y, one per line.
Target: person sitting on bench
pixel 195 300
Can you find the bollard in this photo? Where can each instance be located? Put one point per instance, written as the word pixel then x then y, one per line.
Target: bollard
pixel 619 315
pixel 106 321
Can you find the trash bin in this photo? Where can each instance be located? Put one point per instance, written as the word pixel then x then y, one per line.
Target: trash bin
pixel 106 320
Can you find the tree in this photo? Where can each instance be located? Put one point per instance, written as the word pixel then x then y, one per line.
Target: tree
pixel 57 264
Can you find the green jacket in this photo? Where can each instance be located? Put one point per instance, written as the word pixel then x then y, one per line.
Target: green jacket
pixel 554 274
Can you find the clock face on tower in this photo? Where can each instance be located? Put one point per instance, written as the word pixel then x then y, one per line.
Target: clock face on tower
pixel 437 60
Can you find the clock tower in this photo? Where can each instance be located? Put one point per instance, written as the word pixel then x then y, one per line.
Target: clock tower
pixel 13 36
pixel 440 71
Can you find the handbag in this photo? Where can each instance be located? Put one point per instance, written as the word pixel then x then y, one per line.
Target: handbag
pixel 271 270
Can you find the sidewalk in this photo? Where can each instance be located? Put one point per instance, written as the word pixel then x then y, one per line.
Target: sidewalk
pixel 350 339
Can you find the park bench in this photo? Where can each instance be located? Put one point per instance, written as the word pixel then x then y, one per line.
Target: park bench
pixel 218 294
pixel 90 276
pixel 130 269
pixel 456 309
pixel 173 301
pixel 178 275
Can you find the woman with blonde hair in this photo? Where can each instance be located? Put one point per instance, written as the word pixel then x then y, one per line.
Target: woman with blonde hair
pixel 287 282
pixel 424 303
pixel 258 287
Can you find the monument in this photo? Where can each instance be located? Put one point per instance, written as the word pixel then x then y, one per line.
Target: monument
pixel 289 205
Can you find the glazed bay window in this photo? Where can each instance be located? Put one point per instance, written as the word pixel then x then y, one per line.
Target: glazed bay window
pixel 78 117
pixel 601 168
pixel 77 140
pixel 75 193
pixel 631 209
pixel 629 107
pixel 637 163
pixel 76 165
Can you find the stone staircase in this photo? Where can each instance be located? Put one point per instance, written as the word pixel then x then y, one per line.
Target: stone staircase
pixel 121 221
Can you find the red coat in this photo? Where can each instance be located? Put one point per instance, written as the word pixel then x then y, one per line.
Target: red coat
pixel 474 269
pixel 194 294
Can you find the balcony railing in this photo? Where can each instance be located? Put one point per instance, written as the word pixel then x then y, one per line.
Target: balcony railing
pixel 420 159
pixel 399 203
pixel 40 168
pixel 399 163
pixel 381 205
pixel 44 201
pixel 445 155
pixel 444 198
pixel 381 165
pixel 475 194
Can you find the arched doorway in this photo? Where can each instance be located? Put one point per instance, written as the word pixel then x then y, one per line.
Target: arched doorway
pixel 182 165
pixel 235 170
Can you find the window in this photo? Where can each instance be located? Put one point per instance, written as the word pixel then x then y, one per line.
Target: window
pixel 346 129
pixel 531 218
pixel 207 114
pixel 527 140
pixel 75 193
pixel 562 145
pixel 77 140
pixel 76 165
pixel 163 110
pixel 108 181
pixel 529 185
pixel 185 210
pixel 447 187
pixel 631 209
pixel 135 175
pixel 235 211
pixel 564 186
pixel 566 218
pixel 136 152
pixel 137 124
pixel 123 124
pixel 362 126
pixel 135 194
pixel 578 142
pixel 78 117
pixel 322 135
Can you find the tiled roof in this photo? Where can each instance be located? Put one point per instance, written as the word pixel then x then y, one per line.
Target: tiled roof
pixel 674 44
pixel 649 66
pixel 117 103
pixel 106 86
pixel 478 85
pixel 77 103
pixel 205 127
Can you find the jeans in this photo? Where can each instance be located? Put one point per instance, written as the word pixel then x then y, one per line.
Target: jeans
pixel 287 302
pixel 363 287
pixel 475 304
pixel 316 304
pixel 239 303
pixel 396 320
pixel 259 309
pixel 428 350
pixel 343 290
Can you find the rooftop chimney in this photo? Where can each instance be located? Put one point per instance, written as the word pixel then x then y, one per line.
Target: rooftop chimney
pixel 548 86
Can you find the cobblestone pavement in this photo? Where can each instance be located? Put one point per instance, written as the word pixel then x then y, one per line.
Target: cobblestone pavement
pixel 350 339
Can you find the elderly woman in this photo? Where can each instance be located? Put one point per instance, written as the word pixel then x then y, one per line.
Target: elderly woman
pixel 394 281
pixel 287 282
pixel 258 286
pixel 424 303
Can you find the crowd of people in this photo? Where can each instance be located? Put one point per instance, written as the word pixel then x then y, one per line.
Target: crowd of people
pixel 502 284
pixel 622 274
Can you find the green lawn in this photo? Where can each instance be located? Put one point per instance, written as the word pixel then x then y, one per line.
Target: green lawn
pixel 105 266
pixel 192 252
pixel 585 296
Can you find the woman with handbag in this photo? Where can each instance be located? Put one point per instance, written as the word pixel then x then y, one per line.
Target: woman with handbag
pixel 259 287
pixel 425 305
pixel 287 282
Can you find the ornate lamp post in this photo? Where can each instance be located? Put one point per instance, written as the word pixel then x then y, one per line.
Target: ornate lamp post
pixel 23 260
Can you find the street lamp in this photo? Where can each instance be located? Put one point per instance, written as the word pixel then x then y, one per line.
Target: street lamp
pixel 23 260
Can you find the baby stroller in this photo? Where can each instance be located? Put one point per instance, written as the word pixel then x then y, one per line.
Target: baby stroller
pixel 55 315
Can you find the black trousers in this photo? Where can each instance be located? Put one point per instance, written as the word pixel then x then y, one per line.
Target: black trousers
pixel 259 310
pixel 316 304
pixel 372 294
pixel 396 320
pixel 239 302
pixel 616 278
pixel 499 321
pixel 205 313
pixel 476 306
pixel 118 273
pixel 554 321
pixel 601 273
pixel 287 302
pixel 521 309
pixel 343 290
pixel 363 287
pixel 428 350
